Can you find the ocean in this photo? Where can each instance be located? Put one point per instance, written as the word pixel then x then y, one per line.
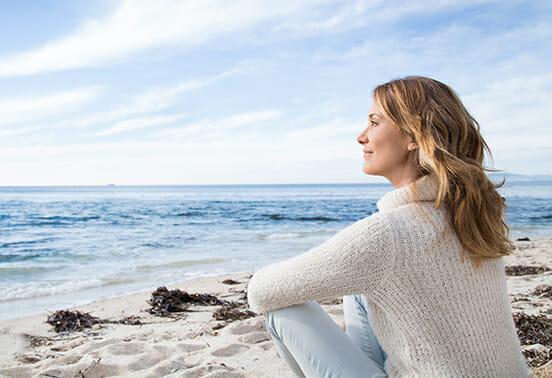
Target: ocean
pixel 67 246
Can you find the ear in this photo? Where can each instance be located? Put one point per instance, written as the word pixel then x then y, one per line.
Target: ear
pixel 412 145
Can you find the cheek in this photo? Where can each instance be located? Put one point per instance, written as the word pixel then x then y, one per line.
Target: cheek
pixel 392 151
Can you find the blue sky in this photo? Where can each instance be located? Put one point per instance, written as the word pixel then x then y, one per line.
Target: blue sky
pixel 253 92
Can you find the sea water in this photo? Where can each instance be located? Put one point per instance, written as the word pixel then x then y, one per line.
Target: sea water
pixel 66 246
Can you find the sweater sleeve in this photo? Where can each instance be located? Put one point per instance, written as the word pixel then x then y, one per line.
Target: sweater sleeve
pixel 353 261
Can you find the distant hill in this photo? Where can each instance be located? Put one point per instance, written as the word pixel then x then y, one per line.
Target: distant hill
pixel 513 177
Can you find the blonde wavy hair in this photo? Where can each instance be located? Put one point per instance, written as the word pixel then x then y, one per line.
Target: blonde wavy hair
pixel 451 149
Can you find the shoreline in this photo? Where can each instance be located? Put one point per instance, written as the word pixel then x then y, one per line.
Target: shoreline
pixel 193 341
pixel 130 298
pixel 196 344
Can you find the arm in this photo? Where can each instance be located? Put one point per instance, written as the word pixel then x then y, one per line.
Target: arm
pixel 353 261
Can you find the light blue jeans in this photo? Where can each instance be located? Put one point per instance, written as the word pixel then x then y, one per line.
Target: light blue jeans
pixel 313 345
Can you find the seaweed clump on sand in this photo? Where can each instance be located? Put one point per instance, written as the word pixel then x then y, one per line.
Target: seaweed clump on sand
pixel 524 270
pixel 235 310
pixel 166 302
pixel 65 321
pixel 230 313
pixel 535 329
pixel 543 291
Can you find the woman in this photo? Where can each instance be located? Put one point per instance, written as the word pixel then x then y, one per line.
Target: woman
pixel 423 279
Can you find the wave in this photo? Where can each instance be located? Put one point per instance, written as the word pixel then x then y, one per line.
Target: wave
pixel 4 270
pixel 12 257
pixel 66 218
pixel 548 216
pixel 40 289
pixel 292 235
pixel 60 220
pixel 146 268
pixel 189 214
pixel 157 245
pixel 26 242
pixel 308 219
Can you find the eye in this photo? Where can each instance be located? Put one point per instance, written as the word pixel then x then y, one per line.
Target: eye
pixel 373 123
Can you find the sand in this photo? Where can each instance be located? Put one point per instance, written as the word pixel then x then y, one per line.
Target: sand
pixel 193 345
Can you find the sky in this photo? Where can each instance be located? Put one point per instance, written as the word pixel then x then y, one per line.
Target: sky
pixel 254 92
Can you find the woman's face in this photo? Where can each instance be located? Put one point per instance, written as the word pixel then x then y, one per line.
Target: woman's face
pixel 387 150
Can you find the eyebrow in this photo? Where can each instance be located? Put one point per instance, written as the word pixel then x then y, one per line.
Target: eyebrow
pixel 371 115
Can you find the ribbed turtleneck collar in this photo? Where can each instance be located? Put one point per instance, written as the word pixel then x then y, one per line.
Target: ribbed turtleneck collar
pixel 425 190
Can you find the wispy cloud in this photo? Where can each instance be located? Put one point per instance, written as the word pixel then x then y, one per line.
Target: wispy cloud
pixel 140 123
pixel 137 25
pixel 336 128
pixel 39 107
pixel 210 126
pixel 508 107
pixel 156 99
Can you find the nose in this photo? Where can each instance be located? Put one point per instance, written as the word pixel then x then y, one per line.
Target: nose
pixel 363 137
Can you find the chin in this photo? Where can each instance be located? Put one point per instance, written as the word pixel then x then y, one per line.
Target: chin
pixel 369 171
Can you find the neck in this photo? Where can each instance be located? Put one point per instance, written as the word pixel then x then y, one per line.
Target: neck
pixel 399 181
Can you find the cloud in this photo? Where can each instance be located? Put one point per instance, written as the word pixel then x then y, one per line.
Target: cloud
pixel 18 131
pixel 354 14
pixel 513 105
pixel 219 126
pixel 140 123
pixel 35 108
pixel 336 128
pixel 137 25
pixel 157 98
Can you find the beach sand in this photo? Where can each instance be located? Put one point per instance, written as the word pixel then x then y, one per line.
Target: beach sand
pixel 195 344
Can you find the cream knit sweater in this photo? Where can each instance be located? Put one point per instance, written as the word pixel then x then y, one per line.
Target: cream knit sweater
pixel 433 314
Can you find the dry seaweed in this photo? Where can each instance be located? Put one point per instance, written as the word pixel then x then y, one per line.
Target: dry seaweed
pixel 129 320
pixel 533 329
pixel 543 291
pixel 229 314
pixel 536 358
pixel 523 270
pixel 65 321
pixel 230 282
pixel 166 302
pixel 36 341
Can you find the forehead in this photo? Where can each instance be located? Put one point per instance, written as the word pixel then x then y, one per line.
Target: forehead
pixel 375 110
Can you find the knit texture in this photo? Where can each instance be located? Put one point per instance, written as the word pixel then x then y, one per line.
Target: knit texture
pixel 434 314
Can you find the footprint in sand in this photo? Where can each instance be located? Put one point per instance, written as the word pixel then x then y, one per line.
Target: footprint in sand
pixel 126 348
pixel 98 345
pixel 172 366
pixel 211 371
pixel 229 350
pixel 243 327
pixel 190 347
pixel 17 371
pixel 145 361
pixel 71 359
pixel 254 337
pixel 163 349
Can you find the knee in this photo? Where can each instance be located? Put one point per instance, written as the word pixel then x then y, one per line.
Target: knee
pixel 276 319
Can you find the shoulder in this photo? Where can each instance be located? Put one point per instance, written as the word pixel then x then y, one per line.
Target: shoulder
pixel 414 225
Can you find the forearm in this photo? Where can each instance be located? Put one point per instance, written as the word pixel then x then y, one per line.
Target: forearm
pixel 353 261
